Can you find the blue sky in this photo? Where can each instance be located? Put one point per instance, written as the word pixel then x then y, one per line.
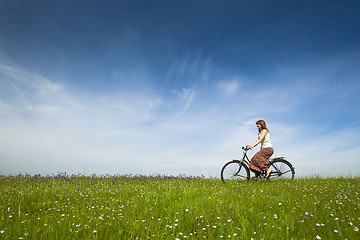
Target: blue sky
pixel 175 87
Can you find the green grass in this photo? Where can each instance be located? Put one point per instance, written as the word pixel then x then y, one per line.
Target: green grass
pixel 160 207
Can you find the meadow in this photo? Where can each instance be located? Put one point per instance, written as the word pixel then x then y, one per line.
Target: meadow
pixel 177 207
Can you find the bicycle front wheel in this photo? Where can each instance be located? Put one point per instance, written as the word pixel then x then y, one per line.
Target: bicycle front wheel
pixel 235 170
pixel 280 168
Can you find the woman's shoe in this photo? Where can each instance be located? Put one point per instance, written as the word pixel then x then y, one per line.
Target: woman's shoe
pixel 268 172
pixel 253 178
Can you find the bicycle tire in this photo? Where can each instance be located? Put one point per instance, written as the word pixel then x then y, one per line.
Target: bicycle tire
pixel 235 170
pixel 281 168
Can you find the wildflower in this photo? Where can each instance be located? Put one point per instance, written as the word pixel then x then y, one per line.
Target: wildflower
pixel 356 229
pixel 2 231
pixel 336 231
pixel 94 231
pixel 318 237
pixel 280 203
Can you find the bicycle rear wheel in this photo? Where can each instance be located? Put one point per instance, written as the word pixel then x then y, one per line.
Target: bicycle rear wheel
pixel 235 170
pixel 281 168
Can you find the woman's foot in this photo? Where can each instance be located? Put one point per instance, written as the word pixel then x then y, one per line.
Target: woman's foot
pixel 253 178
pixel 268 172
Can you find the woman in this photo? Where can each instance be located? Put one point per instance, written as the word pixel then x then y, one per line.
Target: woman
pixel 259 162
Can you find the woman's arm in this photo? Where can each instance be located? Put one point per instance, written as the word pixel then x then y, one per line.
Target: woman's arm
pixel 259 140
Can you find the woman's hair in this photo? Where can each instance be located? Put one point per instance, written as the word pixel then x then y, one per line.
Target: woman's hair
pixel 262 124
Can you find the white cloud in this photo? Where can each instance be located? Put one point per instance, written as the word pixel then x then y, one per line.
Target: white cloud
pixel 229 88
pixel 186 96
pixel 47 128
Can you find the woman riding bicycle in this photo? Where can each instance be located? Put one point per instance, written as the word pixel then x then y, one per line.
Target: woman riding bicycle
pixel 260 161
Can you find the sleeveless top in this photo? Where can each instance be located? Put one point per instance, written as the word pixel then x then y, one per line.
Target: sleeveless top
pixel 266 142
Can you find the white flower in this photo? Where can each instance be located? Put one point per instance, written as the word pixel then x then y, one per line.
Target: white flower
pixel 336 231
pixel 356 229
pixel 280 203
pixel 318 237
pixel 94 231
pixel 2 231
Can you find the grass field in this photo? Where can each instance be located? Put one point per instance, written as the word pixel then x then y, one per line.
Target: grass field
pixel 168 207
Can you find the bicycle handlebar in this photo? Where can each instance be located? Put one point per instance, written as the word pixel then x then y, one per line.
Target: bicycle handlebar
pixel 245 148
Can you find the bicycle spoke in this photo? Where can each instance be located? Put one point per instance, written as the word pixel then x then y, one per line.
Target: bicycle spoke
pixel 280 168
pixel 235 170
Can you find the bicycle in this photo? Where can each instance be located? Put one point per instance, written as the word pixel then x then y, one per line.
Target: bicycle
pixel 239 169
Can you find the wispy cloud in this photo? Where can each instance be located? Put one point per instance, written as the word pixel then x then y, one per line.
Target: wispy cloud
pixel 48 128
pixel 189 70
pixel 186 96
pixel 229 87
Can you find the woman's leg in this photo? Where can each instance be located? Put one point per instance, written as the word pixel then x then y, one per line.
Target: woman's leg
pixel 259 162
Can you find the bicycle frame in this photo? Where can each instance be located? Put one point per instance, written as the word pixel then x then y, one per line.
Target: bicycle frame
pixel 246 160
